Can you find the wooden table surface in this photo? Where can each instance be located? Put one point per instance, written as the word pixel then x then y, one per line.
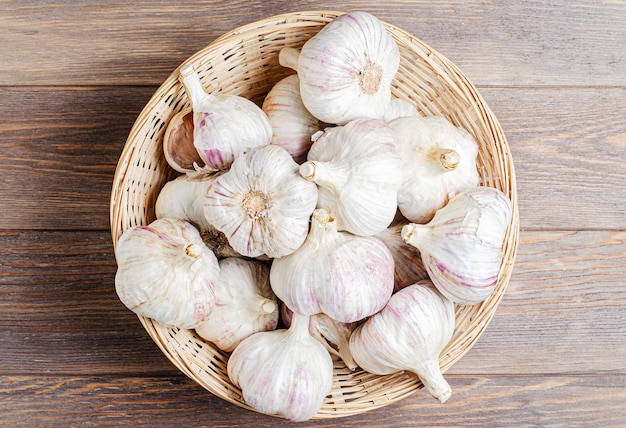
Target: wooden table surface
pixel 74 76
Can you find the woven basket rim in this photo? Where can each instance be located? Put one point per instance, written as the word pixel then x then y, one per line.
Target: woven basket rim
pixel 173 343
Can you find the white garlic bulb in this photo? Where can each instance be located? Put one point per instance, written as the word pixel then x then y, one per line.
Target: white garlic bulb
pixel 245 304
pixel 178 148
pixel 346 69
pixel 283 372
pixel 344 276
pixel 399 107
pixel 165 272
pixel 439 160
pixel 334 335
pixel 224 125
pixel 358 172
pixel 408 334
pixel 292 124
pixel 408 266
pixel 462 245
pixel 262 204
pixel 183 198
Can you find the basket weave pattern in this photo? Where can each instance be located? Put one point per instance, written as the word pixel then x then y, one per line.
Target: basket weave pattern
pixel 245 62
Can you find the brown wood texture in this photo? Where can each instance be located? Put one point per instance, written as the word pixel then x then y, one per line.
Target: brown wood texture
pixel 571 401
pixel 75 75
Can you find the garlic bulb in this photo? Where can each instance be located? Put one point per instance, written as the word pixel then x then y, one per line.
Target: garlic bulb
pixel 334 335
pixel 408 334
pixel 292 124
pixel 399 107
pixel 262 204
pixel 178 148
pixel 283 372
pixel 224 125
pixel 346 69
pixel 408 266
pixel 344 276
pixel 183 198
pixel 245 304
pixel 358 172
pixel 462 245
pixel 439 160
pixel 165 272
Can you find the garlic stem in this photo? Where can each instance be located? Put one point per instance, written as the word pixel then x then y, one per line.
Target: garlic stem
pixel 193 86
pixel 449 159
pixel 325 174
pixel 321 216
pixel 299 326
pixel 433 380
pixel 193 250
pixel 412 233
pixel 267 307
pixel 307 170
pixel 288 57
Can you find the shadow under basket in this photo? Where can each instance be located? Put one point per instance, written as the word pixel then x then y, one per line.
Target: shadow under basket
pixel 245 62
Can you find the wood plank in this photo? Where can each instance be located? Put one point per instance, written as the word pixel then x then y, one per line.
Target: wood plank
pixel 569 150
pixel 122 43
pixel 58 151
pixel 59 312
pixel 59 148
pixel 573 401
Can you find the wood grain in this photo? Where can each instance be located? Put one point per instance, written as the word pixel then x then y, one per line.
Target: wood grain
pixel 58 151
pixel 569 149
pixel 573 401
pixel 569 160
pixel 139 43
pixel 563 309
pixel 74 75
pixel 59 312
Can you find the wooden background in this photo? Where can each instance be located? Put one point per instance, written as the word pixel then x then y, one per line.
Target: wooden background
pixel 74 75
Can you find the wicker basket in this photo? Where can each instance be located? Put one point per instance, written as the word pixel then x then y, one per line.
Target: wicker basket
pixel 245 62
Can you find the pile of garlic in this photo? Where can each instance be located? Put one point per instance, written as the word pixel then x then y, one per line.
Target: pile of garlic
pixel 334 204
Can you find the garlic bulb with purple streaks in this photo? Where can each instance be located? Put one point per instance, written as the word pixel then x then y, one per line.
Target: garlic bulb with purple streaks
pixel 292 124
pixel 283 372
pixel 245 304
pixel 439 160
pixel 165 272
pixel 462 245
pixel 358 172
pixel 346 69
pixel 261 203
pixel 224 125
pixel 408 334
pixel 344 276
